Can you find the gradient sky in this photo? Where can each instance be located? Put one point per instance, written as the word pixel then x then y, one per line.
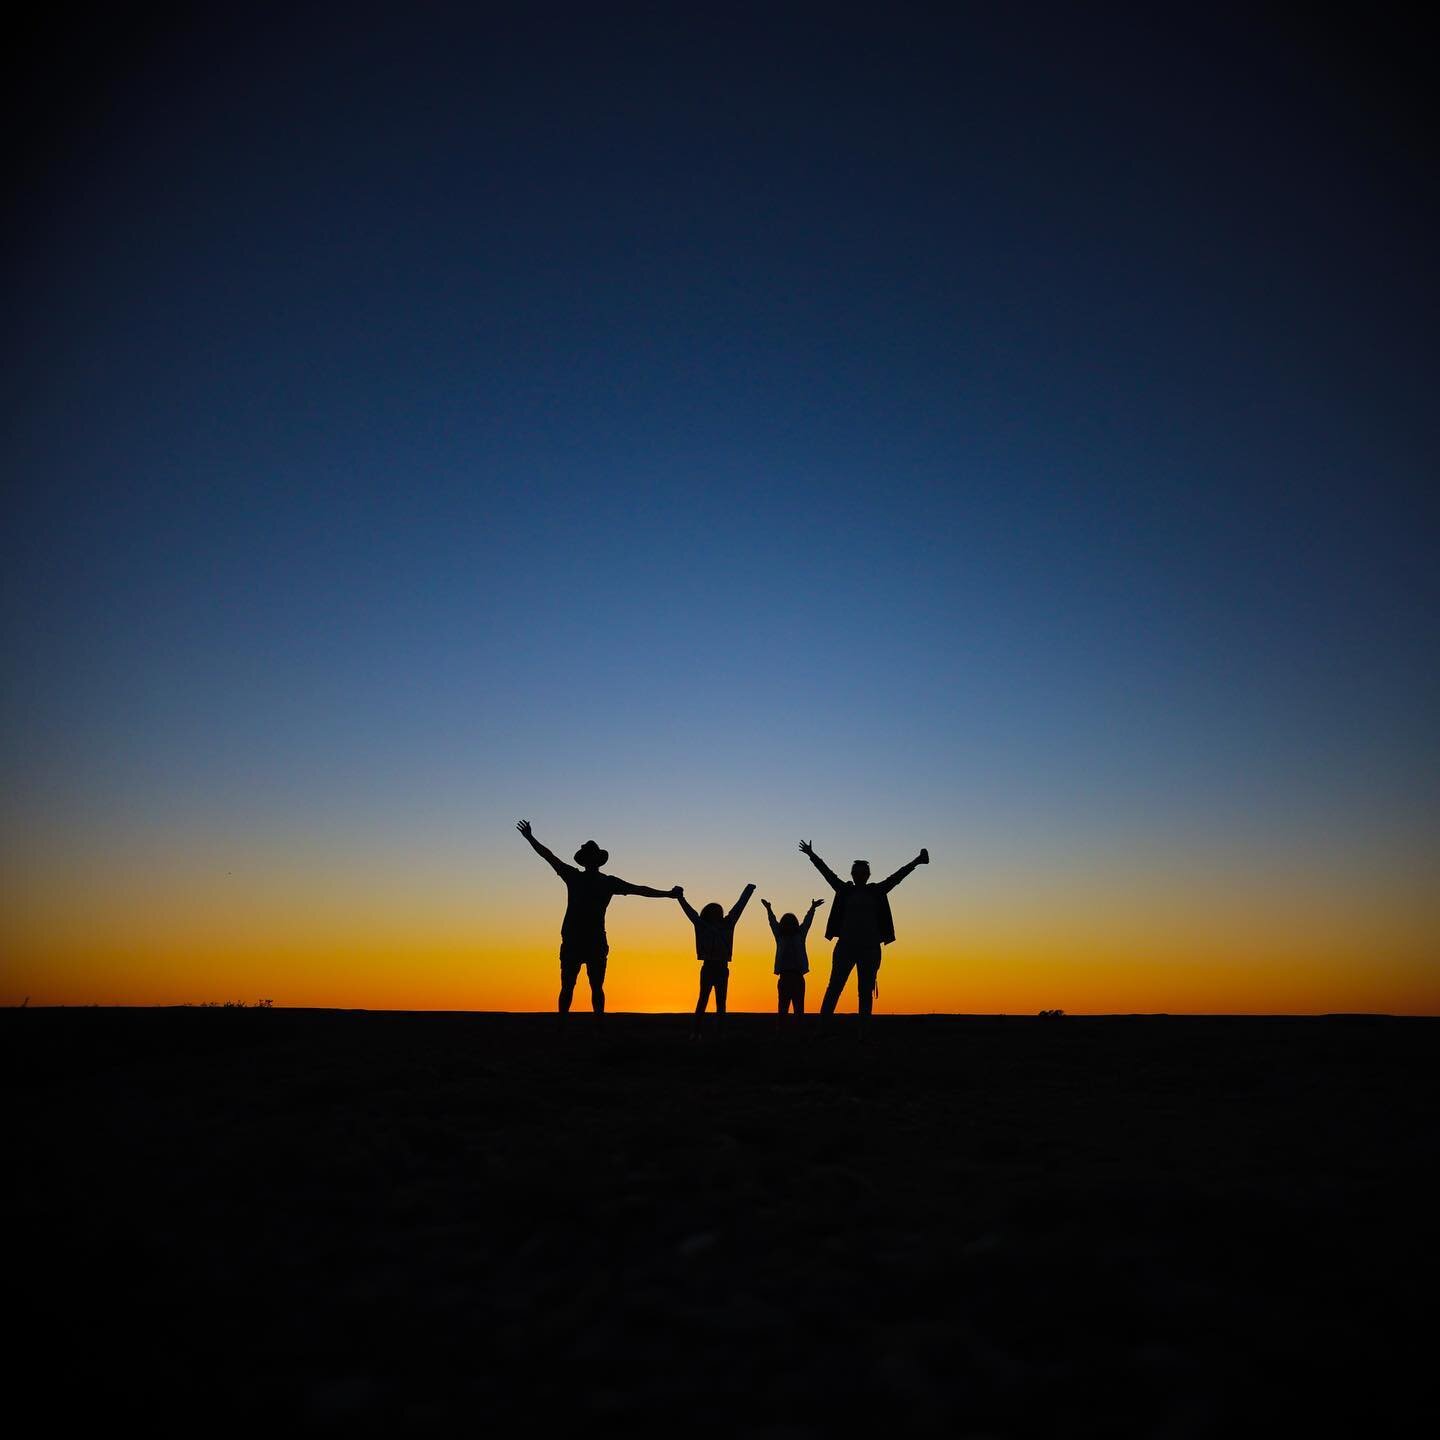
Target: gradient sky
pixel 703 427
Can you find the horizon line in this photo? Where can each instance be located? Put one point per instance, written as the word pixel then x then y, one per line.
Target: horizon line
pixel 763 1014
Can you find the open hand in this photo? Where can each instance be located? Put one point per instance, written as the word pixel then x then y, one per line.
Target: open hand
pixel 816 904
pixel 523 826
pixel 805 848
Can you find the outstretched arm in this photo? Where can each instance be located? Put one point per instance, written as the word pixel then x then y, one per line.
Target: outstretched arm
pixel 739 905
pixel 558 866
pixel 836 883
pixel 890 882
pixel 624 887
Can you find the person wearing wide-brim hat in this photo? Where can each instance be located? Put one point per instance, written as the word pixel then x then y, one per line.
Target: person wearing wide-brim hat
pixel 582 933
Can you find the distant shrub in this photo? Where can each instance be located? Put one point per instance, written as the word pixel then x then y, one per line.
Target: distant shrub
pixel 1051 1014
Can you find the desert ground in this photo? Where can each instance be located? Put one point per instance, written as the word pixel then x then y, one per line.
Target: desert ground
pixel 977 1226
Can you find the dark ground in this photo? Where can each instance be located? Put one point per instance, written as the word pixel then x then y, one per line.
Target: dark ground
pixel 1157 1226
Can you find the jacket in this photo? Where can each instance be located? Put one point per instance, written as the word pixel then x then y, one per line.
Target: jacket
pixel 884 924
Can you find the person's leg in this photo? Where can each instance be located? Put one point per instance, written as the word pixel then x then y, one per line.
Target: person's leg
pixel 792 998
pixel 866 969
pixel 722 988
pixel 706 985
pixel 569 973
pixel 792 994
pixel 595 970
pixel 842 963
pixel 786 991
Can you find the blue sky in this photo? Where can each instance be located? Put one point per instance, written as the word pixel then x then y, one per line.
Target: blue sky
pixel 976 427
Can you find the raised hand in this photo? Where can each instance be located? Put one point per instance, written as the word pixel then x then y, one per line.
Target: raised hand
pixel 816 904
pixel 805 848
pixel 677 891
pixel 523 826
pixel 924 857
pixel 765 903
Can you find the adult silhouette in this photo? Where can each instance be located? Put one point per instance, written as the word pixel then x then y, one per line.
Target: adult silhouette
pixel 582 932
pixel 859 925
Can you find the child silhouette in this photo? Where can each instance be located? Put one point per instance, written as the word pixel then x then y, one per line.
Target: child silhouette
pixel 714 944
pixel 791 961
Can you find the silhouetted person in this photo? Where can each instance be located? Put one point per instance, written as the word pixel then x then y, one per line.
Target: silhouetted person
pixel 791 962
pixel 859 925
pixel 582 932
pixel 714 945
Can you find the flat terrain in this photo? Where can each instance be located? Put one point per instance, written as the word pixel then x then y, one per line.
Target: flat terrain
pixel 1152 1226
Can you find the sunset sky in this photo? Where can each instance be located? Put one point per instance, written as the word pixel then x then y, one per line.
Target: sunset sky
pixel 703 428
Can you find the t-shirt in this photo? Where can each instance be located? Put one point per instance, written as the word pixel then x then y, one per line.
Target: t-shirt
pixel 590 891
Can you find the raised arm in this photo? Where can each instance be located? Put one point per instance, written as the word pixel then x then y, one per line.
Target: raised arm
pixel 686 906
pixel 774 924
pixel 891 881
pixel 809 916
pixel 836 883
pixel 558 866
pixel 739 905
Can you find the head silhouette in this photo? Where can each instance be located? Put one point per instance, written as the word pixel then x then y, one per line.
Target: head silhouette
pixel 788 923
pixel 860 872
pixel 590 856
pixel 713 912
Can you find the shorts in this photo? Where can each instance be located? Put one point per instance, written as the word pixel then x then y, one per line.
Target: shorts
pixel 593 956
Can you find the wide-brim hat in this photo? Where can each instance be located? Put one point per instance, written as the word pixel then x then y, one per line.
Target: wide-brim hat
pixel 591 854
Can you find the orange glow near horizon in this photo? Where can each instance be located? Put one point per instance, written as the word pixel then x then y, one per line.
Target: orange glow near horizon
pixel 1093 948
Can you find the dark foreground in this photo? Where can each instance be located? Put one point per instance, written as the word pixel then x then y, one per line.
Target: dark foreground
pixel 1155 1226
